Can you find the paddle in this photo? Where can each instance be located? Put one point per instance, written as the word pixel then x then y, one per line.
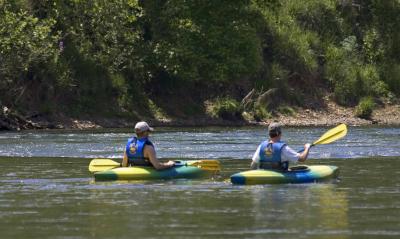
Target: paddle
pixel 331 135
pixel 97 165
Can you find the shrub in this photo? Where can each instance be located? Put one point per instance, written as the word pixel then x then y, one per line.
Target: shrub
pixel 156 111
pixel 391 76
pixel 365 107
pixel 286 110
pixel 261 113
pixel 350 77
pixel 225 108
pixel 342 70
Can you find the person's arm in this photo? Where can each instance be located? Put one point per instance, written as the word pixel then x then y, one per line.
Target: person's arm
pixel 288 154
pixel 124 160
pixel 303 156
pixel 254 165
pixel 150 153
pixel 256 159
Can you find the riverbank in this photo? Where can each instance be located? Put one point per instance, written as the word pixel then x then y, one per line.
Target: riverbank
pixel 331 114
pixel 334 114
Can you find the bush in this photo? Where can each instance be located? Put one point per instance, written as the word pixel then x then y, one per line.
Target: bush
pixel 391 76
pixel 342 70
pixel 261 113
pixel 286 110
pixel 225 108
pixel 365 107
pixel 350 77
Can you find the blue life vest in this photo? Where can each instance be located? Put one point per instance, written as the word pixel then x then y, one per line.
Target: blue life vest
pixel 270 155
pixel 134 151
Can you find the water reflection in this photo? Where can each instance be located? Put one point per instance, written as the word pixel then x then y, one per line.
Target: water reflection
pixel 311 209
pixel 57 198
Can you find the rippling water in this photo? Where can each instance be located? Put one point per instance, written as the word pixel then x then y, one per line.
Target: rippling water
pixel 236 143
pixel 47 192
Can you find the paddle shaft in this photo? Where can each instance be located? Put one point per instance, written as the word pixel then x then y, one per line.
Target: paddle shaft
pixel 330 136
pixel 97 165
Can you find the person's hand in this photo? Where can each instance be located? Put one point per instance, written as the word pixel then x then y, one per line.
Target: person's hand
pixel 170 163
pixel 307 146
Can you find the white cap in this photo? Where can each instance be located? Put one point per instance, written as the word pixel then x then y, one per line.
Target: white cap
pixel 142 127
pixel 275 127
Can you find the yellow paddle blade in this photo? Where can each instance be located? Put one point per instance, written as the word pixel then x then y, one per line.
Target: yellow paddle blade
pixel 202 162
pixel 332 135
pixel 206 164
pixel 97 165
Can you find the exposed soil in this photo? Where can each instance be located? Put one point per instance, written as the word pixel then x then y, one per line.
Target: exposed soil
pixel 334 114
pixel 331 114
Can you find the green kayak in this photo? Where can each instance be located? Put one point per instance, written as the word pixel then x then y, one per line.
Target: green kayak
pixel 107 169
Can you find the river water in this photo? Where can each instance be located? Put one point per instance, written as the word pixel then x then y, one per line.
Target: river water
pixel 46 190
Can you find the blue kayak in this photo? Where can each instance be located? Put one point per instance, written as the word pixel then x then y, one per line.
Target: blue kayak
pixel 298 174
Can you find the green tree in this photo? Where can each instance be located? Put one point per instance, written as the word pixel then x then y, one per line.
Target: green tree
pixel 26 44
pixel 202 40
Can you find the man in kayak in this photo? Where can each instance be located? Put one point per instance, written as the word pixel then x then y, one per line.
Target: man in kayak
pixel 139 151
pixel 275 154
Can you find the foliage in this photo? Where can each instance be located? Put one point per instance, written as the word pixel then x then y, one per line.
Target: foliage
pixel 286 110
pixel 352 79
pixel 365 108
pixel 26 43
pixel 157 112
pixel 332 40
pixel 225 108
pixel 113 56
pixel 207 40
pixel 391 75
pixel 261 113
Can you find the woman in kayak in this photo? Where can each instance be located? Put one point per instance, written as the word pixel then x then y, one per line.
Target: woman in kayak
pixel 275 154
pixel 139 151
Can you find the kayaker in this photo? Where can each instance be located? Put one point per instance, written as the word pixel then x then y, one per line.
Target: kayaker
pixel 139 150
pixel 275 154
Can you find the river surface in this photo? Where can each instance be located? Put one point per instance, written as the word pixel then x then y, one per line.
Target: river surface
pixel 46 190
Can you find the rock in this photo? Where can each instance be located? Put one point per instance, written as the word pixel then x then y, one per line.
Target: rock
pixel 12 120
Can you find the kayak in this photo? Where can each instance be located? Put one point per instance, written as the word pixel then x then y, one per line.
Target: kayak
pixel 150 173
pixel 297 174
